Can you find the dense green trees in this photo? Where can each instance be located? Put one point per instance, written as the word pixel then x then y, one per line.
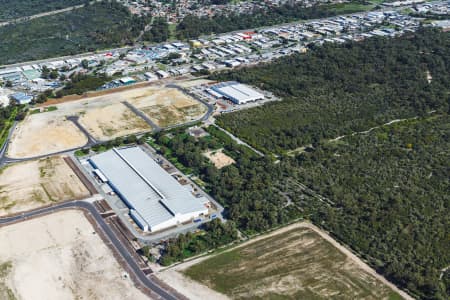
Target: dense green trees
pixel 334 90
pixel 390 190
pixel 159 31
pixel 22 8
pixel 247 189
pixel 97 26
pixel 8 115
pixel 81 83
pixel 215 234
pixel 384 192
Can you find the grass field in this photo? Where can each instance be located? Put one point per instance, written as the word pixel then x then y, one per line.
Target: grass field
pixel 295 264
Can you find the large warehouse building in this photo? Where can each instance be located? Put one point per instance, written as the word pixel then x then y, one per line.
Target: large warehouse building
pixel 237 92
pixel 156 200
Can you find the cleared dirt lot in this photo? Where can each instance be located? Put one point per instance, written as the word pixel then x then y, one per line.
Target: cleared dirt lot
pixel 111 121
pixel 28 185
pixel 195 82
pixel 105 117
pixel 166 106
pixel 219 159
pixel 44 133
pixel 296 262
pixel 59 257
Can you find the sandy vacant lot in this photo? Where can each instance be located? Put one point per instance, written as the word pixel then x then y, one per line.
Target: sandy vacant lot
pixel 166 106
pixel 105 117
pixel 31 184
pixel 58 257
pixel 111 121
pixel 44 133
pixel 295 262
pixel 219 159
pixel 195 82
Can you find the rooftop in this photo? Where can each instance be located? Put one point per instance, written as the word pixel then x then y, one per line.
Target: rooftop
pixel 152 192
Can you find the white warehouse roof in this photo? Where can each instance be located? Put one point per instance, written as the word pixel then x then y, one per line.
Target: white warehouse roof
pixel 237 92
pixel 158 199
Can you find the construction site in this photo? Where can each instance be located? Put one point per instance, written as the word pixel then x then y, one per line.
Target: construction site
pixel 48 181
pixel 73 124
pixel 60 256
pixel 168 106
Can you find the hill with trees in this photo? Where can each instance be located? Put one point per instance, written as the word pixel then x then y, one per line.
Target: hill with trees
pixel 23 8
pixel 96 26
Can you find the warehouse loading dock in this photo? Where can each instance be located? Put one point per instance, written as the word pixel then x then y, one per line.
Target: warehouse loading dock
pixel 156 200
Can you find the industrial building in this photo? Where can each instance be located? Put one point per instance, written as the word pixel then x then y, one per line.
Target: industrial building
pixel 156 200
pixel 21 98
pixel 237 92
pixel 127 80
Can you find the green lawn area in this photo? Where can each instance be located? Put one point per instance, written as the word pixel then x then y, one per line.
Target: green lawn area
pixel 296 264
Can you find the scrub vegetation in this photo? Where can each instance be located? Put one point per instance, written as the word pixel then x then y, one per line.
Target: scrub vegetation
pixel 23 8
pixel 383 192
pixel 334 90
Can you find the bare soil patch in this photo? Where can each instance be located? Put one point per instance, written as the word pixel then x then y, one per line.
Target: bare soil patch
pixel 189 287
pixel 195 82
pixel 60 257
pixel 111 121
pixel 219 159
pixel 28 185
pixel 104 116
pixel 298 262
pixel 166 106
pixel 70 98
pixel 44 133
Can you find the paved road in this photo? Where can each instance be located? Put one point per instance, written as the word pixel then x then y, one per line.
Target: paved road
pixel 205 117
pixel 91 140
pixel 143 279
pixel 143 116
pixel 4 160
